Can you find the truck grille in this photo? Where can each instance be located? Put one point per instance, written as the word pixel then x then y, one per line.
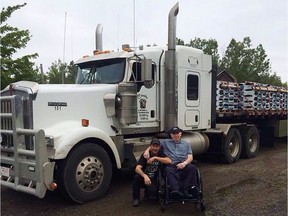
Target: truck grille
pixel 7 121
pixel 6 124
pixel 15 110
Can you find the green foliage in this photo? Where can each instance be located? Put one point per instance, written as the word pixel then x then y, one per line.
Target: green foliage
pixel 179 42
pixel 243 61
pixel 71 73
pixel 56 70
pixel 12 39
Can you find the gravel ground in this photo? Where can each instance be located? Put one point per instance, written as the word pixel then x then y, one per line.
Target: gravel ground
pixel 256 186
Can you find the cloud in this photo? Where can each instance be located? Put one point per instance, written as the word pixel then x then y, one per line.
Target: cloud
pixel 261 20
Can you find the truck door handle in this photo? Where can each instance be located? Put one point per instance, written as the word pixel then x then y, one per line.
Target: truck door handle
pixel 196 118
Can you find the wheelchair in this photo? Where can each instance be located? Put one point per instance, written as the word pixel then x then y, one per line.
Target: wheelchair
pixel 164 192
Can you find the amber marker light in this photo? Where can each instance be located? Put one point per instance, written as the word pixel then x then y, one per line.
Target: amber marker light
pixel 53 186
pixel 85 122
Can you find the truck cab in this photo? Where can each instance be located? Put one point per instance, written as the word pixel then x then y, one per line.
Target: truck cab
pixel 193 74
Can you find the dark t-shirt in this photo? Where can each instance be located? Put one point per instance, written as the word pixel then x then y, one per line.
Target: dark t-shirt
pixel 150 169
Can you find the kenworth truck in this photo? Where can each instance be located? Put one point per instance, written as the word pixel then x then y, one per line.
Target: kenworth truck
pixel 73 137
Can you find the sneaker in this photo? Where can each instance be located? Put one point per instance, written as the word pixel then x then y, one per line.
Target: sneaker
pixel 176 195
pixel 135 202
pixel 187 195
pixel 195 192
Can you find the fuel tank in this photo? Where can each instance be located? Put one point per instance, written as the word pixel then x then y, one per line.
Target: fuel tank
pixel 198 141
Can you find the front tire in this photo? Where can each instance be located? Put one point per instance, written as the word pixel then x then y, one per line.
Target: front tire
pixel 85 174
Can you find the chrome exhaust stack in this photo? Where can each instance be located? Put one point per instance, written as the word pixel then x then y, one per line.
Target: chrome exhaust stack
pixel 98 38
pixel 170 71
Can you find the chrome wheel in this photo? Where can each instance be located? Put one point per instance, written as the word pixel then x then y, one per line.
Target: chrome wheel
pixel 89 174
pixel 234 146
pixel 253 143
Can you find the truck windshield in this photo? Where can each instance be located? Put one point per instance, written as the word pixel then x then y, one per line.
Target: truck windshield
pixel 108 71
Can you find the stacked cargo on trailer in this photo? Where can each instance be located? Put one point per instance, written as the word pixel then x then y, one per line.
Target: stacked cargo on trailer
pixel 252 110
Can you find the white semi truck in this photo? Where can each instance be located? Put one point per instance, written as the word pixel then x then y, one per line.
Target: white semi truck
pixel 72 137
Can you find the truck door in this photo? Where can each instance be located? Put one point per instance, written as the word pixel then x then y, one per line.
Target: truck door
pixel 146 97
pixel 192 100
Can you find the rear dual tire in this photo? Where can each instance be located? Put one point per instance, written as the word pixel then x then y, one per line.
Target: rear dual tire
pixel 251 142
pixel 232 146
pixel 245 144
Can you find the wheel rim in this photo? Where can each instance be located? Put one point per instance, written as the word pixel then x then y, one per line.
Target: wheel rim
pixel 234 146
pixel 252 143
pixel 89 174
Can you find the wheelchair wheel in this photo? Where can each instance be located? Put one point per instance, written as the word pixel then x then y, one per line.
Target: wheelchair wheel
pixel 162 207
pixel 202 206
pixel 161 197
pixel 200 187
pixel 199 182
pixel 162 192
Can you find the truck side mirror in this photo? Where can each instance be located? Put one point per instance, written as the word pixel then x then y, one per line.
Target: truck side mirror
pixel 146 72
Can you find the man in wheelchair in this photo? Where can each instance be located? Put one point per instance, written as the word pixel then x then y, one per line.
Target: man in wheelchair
pixel 147 172
pixel 181 174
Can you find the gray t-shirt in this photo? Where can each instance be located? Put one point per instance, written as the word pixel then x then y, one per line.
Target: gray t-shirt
pixel 177 152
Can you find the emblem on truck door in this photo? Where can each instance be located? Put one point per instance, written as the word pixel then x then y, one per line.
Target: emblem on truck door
pixel 142 103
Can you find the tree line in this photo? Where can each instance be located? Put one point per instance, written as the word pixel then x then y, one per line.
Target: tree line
pixel 23 68
pixel 240 59
pixel 244 62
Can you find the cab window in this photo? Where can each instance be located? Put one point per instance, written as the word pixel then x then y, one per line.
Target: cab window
pixel 136 74
pixel 192 87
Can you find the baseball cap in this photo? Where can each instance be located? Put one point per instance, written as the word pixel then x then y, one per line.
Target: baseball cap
pixel 155 141
pixel 175 130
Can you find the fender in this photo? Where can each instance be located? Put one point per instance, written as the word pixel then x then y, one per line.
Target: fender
pixel 65 138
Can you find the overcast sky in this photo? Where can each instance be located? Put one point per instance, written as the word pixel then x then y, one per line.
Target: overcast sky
pixel 264 21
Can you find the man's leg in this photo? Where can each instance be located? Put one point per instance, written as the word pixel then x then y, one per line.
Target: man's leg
pixel 152 190
pixel 173 180
pixel 189 176
pixel 190 181
pixel 173 177
pixel 137 183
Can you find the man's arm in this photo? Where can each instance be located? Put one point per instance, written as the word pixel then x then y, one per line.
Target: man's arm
pixel 184 163
pixel 140 172
pixel 165 160
pixel 189 159
pixel 146 153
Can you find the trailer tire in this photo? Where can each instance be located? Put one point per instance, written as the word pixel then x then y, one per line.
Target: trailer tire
pixel 232 146
pixel 251 142
pixel 86 173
